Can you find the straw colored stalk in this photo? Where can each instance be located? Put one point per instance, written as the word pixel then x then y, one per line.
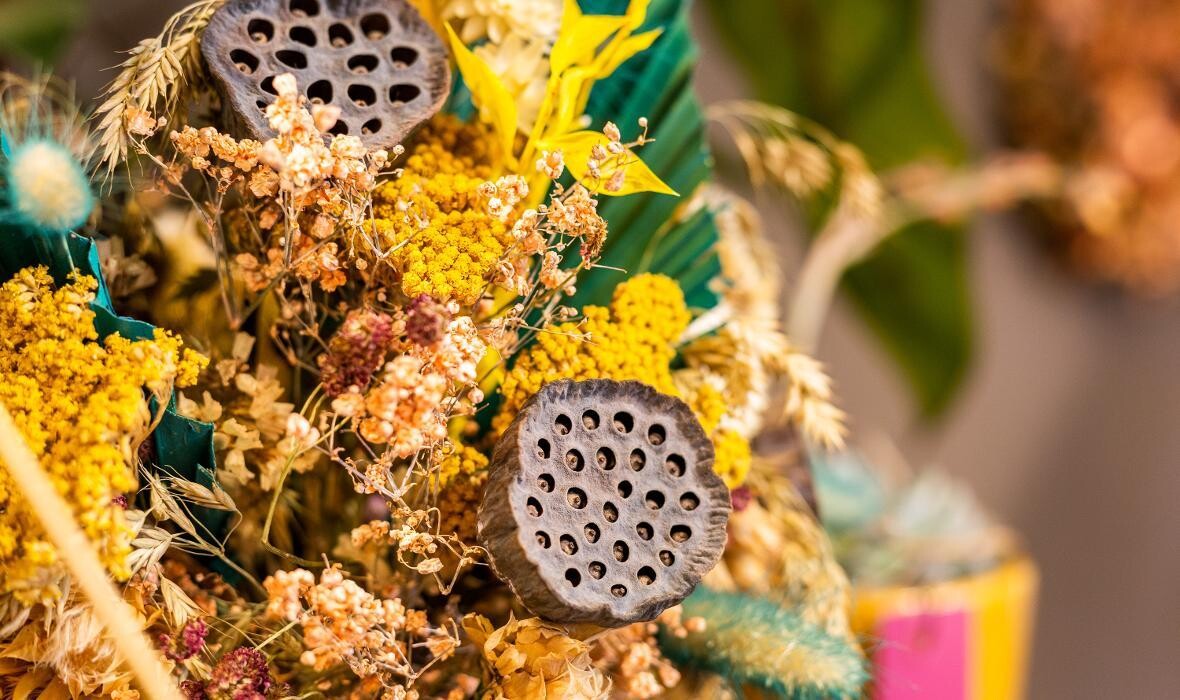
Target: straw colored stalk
pixel 79 556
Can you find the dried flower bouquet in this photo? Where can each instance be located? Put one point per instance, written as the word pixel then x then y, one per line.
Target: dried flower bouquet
pixel 279 495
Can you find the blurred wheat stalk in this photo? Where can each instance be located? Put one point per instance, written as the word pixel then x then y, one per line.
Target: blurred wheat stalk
pixel 800 158
pixel 55 515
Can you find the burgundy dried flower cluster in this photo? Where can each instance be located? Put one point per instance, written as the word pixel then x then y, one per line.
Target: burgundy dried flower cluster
pixel 242 674
pixel 356 351
pixel 187 643
pixel 425 321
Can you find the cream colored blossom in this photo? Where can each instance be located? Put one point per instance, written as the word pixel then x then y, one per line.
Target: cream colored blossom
pixel 523 67
pixel 533 659
pixel 405 410
pixel 497 19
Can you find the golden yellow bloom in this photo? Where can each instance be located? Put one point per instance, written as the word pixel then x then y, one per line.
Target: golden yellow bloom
pixel 432 223
pixel 464 461
pixel 81 406
pixel 463 475
pixel 634 339
pixel 732 456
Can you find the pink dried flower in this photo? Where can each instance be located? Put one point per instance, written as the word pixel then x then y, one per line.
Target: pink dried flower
pixel 242 674
pixel 740 498
pixel 188 643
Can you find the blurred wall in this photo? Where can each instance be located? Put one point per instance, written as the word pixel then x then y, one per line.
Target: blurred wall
pixel 1065 426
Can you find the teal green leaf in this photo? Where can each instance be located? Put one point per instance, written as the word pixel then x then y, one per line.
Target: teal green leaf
pixel 858 67
pixel 648 232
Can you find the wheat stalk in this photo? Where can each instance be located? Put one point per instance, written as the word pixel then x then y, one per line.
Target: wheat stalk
pixel 155 75
pixel 809 400
pixel 78 554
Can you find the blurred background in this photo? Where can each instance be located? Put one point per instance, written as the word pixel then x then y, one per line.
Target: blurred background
pixel 1058 393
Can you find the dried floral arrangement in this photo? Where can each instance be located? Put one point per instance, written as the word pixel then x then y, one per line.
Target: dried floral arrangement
pixel 456 397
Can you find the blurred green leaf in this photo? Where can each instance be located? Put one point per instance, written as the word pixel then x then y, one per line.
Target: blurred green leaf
pixel 38 29
pixel 858 68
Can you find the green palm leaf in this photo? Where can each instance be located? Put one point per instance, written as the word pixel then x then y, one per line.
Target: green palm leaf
pixel 650 232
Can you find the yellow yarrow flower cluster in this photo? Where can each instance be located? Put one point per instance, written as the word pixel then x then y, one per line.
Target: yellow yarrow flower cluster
pixel 81 407
pixel 732 456
pixel 462 476
pixel 436 227
pixel 731 450
pixel 634 339
pixel 463 461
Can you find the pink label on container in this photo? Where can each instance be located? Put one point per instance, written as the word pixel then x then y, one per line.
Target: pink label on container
pixel 921 656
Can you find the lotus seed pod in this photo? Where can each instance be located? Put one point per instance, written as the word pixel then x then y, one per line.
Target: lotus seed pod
pixel 378 61
pixel 602 505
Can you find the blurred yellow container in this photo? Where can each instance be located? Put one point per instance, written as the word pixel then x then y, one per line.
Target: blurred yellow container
pixel 967 639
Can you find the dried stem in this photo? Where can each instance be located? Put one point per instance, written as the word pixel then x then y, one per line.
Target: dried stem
pixel 843 241
pixel 120 621
pixel 919 192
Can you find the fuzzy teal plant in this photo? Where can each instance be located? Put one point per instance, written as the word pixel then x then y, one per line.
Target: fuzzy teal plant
pixel 44 157
pixel 46 189
pixel 756 644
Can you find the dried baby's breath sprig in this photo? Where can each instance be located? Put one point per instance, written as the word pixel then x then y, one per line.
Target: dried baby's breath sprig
pixel 631 657
pixel 157 72
pixel 342 623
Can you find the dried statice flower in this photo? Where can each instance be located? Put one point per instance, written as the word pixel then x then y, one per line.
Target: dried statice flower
pixel 425 321
pixel 242 674
pixel 356 351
